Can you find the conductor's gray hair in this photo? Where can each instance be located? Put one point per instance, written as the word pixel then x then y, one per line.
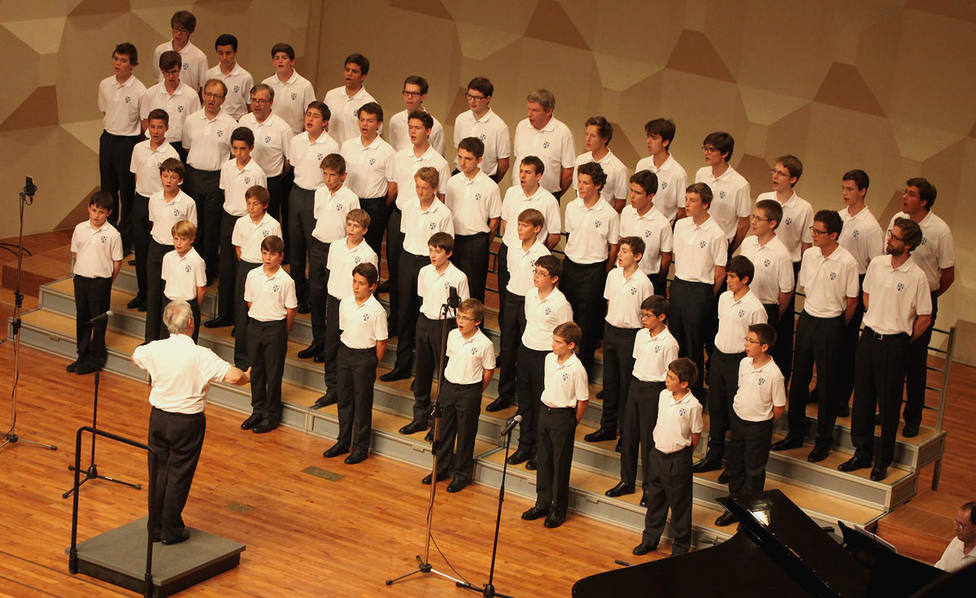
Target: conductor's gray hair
pixel 177 316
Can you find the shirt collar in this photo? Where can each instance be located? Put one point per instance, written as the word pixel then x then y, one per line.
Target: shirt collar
pixel 487 116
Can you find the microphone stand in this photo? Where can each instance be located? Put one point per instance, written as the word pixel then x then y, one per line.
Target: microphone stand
pixel 423 562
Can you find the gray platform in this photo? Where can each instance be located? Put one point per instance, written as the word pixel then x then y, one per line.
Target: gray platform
pixel 119 557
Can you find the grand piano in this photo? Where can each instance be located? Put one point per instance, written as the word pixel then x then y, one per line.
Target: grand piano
pixel 779 551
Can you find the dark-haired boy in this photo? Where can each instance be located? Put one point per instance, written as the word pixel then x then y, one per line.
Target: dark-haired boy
pixel 97 249
pixel 369 165
pixel 730 190
pixel 414 93
pixel 481 122
pixel 672 178
pixel 597 135
pixel 293 92
pixel 172 95
pixel 346 100
pixel 238 81
pixel 642 219
pixel 194 61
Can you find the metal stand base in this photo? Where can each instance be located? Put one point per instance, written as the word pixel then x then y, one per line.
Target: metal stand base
pixel 14 438
pixel 92 474
pixel 423 567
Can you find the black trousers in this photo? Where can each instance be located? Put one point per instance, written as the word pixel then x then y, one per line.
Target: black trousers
pixel 240 314
pixel 782 357
pixel 356 370
pixel 175 440
pixel 318 282
pixel 428 362
pixel 818 341
pixel 723 381
pixel 583 286
pixel 228 267
pixel 669 487
pixel 881 363
pixel 460 408
pixel 204 187
pixel 267 343
pixel 618 368
pixel 140 239
pixel 301 223
pixel 785 327
pixel 916 371
pixel 278 205
pixel 394 252
pixel 114 158
pixel 331 348
pixel 638 430
pixel 471 253
pixel 848 349
pixel 194 309
pixel 531 383
pixel 511 339
pixel 154 289
pixel 408 308
pixel 554 455
pixel 689 319
pixel 748 453
pixel 503 276
pixel 376 208
pixel 93 296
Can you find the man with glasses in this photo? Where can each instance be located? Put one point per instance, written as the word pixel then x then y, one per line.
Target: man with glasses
pixel 481 122
pixel 193 60
pixel 414 93
pixel 828 275
pixel 961 552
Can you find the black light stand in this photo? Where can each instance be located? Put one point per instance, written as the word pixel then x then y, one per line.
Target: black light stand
pixel 92 472
pixel 10 437
pixel 423 562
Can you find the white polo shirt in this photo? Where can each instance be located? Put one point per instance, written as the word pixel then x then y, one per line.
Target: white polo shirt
pixel 895 296
pixel 119 102
pixel 239 83
pixel 730 197
pixel 553 144
pixel 734 318
pixel 936 252
pixel 183 274
pixel 491 130
pixel 624 297
pixel 698 249
pixel 164 214
pixel 270 296
pixel 672 180
pixel 794 230
pixel 418 225
pixel 400 138
pixel 676 421
pixel 827 282
pixel 178 105
pixel 468 358
pixel 542 315
pixel 291 99
pixel 207 139
pixel 861 236
pixel 180 371
pixel 652 354
pixel 516 202
pixel 330 211
pixel 591 231
pixel 145 164
pixel 194 73
pixel 521 266
pixel 760 389
pixel 618 179
pixel 774 268
pixel 248 235
pixel 95 249
pixel 565 383
pixel 272 141
pixel 344 123
pixel 236 181
pixel 405 166
pixel 473 202
pixel 368 167
pixel 654 229
pixel 362 324
pixel 434 288
pixel 342 260
pixel 955 558
pixel 306 156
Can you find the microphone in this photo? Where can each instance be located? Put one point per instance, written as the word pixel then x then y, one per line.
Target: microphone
pixel 100 317
pixel 511 425
pixel 453 299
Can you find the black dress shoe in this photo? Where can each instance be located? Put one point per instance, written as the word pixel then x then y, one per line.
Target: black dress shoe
pixel 910 430
pixel 395 374
pixel 429 436
pixel 619 490
pixel 644 548
pixel 499 404
pixel 310 351
pixel 707 464
pixel 304 307
pixel 335 450
pixel 440 477
pixel 620 443
pixel 141 307
pixel 555 519
pixel 643 500
pixel 844 410
pixel 457 484
pixel 252 420
pixel 601 434
pixel 853 464
pixel 535 512
pixel 724 477
pixel 264 427
pixel 790 442
pixel 818 454
pixel 136 301
pixel 72 367
pixel 182 536
pixel 413 427
pixel 218 322
pixel 324 401
pixel 879 473
pixel 356 457
pixel 86 368
pixel 519 456
pixel 531 464
pixel 599 394
pixel 725 518
pixel 320 358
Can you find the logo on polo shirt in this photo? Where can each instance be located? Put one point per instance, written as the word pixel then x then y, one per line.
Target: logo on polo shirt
pixel 833 276
pixel 186 66
pixel 597 223
pixel 664 185
pixel 766 263
pixel 901 287
pixel 474 350
pixel 657 348
pixel 565 376
pixel 355 113
pixel 237 89
pixel 789 221
pixel 647 234
pixel 372 161
pixel 433 225
pixel 721 194
pixel 366 317
pixel 682 412
pixel 247 180
pixel 482 137
pixel 103 239
pixel 294 96
pixel 856 233
pixel 761 381
pixel 546 145
pixel 179 108
pixel 187 268
pixel 702 244
pixel 319 157
pixel 633 290
pixel 548 311
pixel 924 240
pixel 477 197
pixel 128 99
pixel 742 313
pixel 357 260
pixel 275 288
pixel 176 212
pixel 220 132
pixel 265 233
pixel 339 207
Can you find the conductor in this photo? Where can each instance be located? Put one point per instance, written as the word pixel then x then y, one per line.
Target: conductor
pixel 181 372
